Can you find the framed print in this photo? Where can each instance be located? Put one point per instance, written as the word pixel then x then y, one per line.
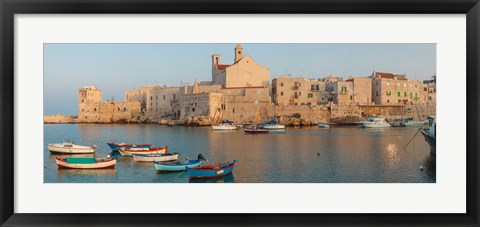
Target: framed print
pixel 201 113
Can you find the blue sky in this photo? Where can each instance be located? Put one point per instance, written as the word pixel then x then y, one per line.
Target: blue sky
pixel 114 68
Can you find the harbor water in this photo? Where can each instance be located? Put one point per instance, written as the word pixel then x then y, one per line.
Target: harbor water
pixel 341 154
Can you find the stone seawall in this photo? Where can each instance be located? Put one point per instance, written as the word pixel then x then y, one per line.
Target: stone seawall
pixel 59 119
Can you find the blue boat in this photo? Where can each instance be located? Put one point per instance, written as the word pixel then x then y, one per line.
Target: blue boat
pixel 116 146
pixel 165 167
pixel 213 171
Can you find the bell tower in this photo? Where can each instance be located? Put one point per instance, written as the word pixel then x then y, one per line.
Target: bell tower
pixel 238 53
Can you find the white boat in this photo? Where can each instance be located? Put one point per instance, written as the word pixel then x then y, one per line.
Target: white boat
pixel 323 126
pixel 70 148
pixel 224 126
pixel 155 157
pixel 430 134
pixel 141 150
pixel 374 122
pixel 273 126
pixel 415 123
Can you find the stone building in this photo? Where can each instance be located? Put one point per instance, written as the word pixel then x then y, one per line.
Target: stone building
pixel 244 72
pixel 391 89
pixel 91 108
pixel 156 101
pixel 298 91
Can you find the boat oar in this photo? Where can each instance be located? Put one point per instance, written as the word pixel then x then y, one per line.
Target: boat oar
pixel 411 139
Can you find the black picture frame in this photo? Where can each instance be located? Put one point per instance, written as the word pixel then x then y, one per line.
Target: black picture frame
pixel 9 8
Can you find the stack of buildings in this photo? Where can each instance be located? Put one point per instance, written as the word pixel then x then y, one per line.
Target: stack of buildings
pixel 242 92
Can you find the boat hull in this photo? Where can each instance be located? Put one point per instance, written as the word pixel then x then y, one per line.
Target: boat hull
pixel 199 173
pixel 323 126
pixel 365 125
pixel 115 146
pixel 273 127
pixel 132 151
pixel 432 141
pixel 257 131
pixel 173 167
pixel 53 148
pixel 155 158
pixel 63 164
pixel 224 127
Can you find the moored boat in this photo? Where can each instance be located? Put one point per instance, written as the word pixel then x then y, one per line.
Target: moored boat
pixel 271 125
pixel 323 126
pixel 116 146
pixel 411 123
pixel 70 148
pixel 212 171
pixel 225 125
pixel 164 167
pixel 155 157
pixel 255 130
pixel 85 163
pixel 127 152
pixel 430 134
pixel 374 122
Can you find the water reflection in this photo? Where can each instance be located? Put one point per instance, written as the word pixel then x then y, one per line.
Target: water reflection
pixel 306 154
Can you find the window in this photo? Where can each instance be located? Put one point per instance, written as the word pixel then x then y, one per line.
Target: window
pixel 411 95
pixel 377 94
pixel 389 93
pixel 410 85
pixel 388 100
pixel 398 84
pixel 193 109
pixel 398 94
pixel 118 108
pixel 300 93
pixel 151 98
pixel 281 93
pixel 405 94
pixel 82 100
pixel 124 109
pixel 416 95
pixel 281 84
pixel 310 95
pixel 82 110
pixel 164 97
pixel 94 109
pixel 351 97
pixel 388 84
pixel 195 104
pixel 424 89
pixel 156 97
pixel 173 97
pixel 233 110
pixel 404 85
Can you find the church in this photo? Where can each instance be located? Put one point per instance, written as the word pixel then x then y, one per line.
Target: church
pixel 244 72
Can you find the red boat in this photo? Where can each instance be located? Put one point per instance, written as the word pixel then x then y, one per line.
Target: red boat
pixel 255 130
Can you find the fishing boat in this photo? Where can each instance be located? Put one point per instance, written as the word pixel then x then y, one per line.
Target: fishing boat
pixel 323 126
pixel 398 123
pixel 271 125
pixel 225 125
pixel 255 130
pixel 70 148
pixel 155 157
pixel 116 146
pixel 430 134
pixel 85 163
pixel 213 171
pixel 127 152
pixel 374 122
pixel 164 167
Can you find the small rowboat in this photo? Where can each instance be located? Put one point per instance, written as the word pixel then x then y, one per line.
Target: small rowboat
pixel 85 163
pixel 214 171
pixel 116 146
pixel 154 150
pixel 70 148
pixel 155 157
pixel 323 125
pixel 255 131
pixel 165 167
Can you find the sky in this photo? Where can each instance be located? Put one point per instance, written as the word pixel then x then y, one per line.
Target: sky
pixel 114 68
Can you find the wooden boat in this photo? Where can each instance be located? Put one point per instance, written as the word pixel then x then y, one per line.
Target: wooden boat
pixel 70 148
pixel 165 167
pixel 85 163
pixel 213 171
pixel 225 125
pixel 128 152
pixel 271 125
pixel 116 146
pixel 255 130
pixel 155 157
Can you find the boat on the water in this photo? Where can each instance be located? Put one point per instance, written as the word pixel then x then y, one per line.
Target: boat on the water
pixel 70 148
pixel 255 130
pixel 430 134
pixel 116 146
pixel 165 167
pixel 212 171
pixel 155 157
pixel 412 123
pixel 127 152
pixel 374 122
pixel 271 125
pixel 225 125
pixel 323 126
pixel 85 163
pixel 398 123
